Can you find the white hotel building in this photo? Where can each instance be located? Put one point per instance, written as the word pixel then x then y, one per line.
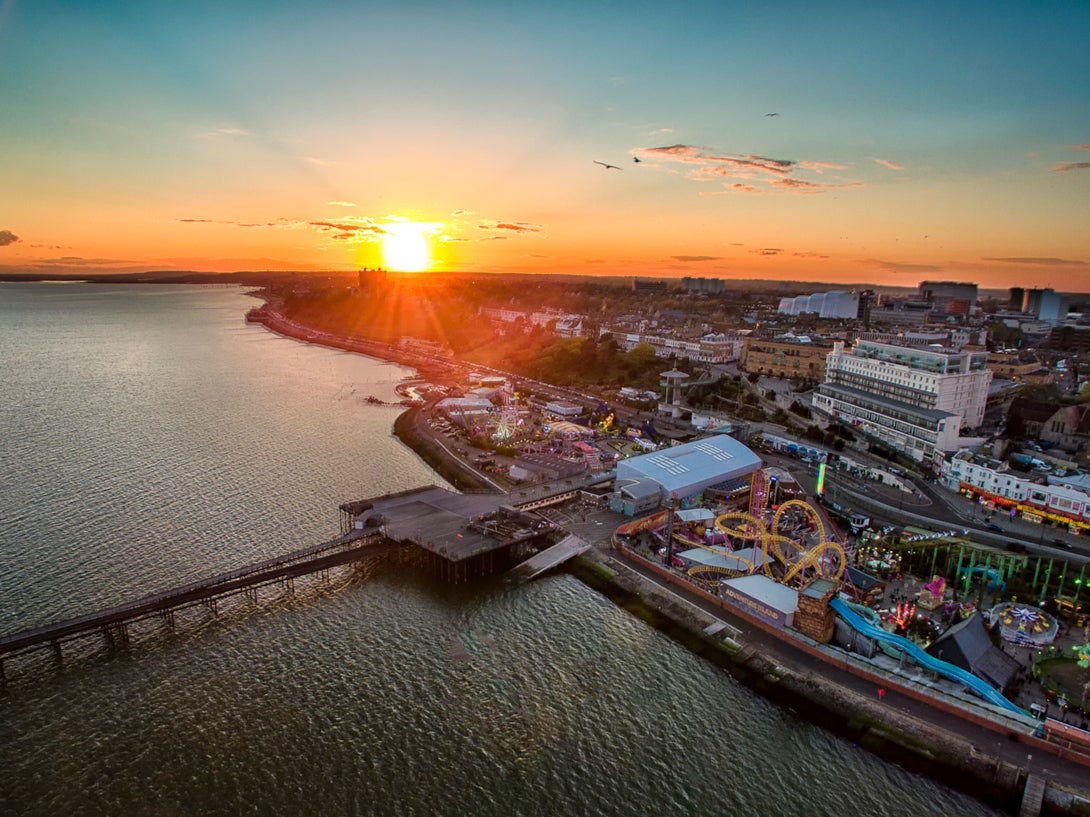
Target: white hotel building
pixel 711 348
pixel 916 400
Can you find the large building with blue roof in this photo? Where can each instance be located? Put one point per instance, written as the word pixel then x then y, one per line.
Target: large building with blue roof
pixel 686 470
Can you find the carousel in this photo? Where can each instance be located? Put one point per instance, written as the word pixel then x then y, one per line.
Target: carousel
pixel 1024 624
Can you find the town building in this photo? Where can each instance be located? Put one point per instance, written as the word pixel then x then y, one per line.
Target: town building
pixel 1020 366
pixel 843 305
pixel 682 472
pixel 901 313
pixel 1036 498
pixel 787 355
pixel 710 286
pixel 564 324
pixel 650 286
pixel 949 297
pixel 916 400
pixel 1045 305
pixel 708 349
pixel 955 337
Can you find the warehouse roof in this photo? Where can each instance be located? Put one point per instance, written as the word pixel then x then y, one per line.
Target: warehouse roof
pixel 700 463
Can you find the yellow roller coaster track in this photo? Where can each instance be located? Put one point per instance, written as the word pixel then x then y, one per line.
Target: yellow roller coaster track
pixel 826 558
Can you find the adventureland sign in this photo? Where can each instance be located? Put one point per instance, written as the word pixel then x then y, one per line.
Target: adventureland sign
pixel 752 606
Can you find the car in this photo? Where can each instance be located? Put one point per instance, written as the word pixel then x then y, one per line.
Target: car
pixel 993 526
pixel 1063 543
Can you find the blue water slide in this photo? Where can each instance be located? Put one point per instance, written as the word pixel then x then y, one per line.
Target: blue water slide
pixel 925 660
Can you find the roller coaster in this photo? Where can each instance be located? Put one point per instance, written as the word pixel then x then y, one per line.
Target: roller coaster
pixel 784 558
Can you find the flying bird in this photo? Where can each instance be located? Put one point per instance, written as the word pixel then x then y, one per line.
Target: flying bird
pixel 771 114
pixel 636 159
pixel 607 167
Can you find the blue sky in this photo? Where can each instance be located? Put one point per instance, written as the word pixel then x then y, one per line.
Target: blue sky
pixel 916 140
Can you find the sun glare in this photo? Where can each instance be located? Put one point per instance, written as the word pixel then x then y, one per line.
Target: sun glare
pixel 406 246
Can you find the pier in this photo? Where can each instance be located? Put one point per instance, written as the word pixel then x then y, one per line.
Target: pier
pixel 113 623
pixel 454 537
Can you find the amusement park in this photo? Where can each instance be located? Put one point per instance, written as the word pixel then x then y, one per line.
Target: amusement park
pixel 987 630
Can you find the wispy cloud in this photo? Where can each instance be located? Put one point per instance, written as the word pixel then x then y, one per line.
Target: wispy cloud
pixel 889 164
pixel 226 132
pixel 79 262
pixel 687 258
pixel 1041 261
pixel 341 203
pixel 768 251
pixel 819 167
pixel 742 172
pixel 804 186
pixel 280 223
pixel 354 227
pixel 898 266
pixel 513 226
pixel 7 237
pixel 1063 167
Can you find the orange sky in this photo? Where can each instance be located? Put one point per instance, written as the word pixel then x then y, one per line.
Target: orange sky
pixel 167 139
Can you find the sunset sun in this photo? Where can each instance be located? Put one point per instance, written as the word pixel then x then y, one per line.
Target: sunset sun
pixel 406 246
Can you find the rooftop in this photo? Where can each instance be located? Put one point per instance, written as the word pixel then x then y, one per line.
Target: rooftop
pixel 708 460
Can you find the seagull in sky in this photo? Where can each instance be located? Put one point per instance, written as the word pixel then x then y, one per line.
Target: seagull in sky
pixel 607 167
pixel 771 114
pixel 636 159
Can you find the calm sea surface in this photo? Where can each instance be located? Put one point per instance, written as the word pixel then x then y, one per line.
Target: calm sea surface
pixel 150 437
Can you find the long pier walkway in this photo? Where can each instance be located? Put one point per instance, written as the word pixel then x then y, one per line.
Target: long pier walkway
pixel 113 622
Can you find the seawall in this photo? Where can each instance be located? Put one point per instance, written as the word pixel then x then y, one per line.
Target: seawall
pixel 453 471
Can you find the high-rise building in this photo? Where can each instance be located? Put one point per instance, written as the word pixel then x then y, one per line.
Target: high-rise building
pixel 1045 305
pixel 711 286
pixel 949 297
pixel 916 400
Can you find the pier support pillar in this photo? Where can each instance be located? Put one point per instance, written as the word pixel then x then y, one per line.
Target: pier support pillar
pixel 117 635
pixel 212 605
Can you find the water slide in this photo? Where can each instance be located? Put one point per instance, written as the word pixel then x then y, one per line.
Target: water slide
pixel 929 662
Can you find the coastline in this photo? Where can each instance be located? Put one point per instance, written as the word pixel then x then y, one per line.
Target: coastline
pixel 920 744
